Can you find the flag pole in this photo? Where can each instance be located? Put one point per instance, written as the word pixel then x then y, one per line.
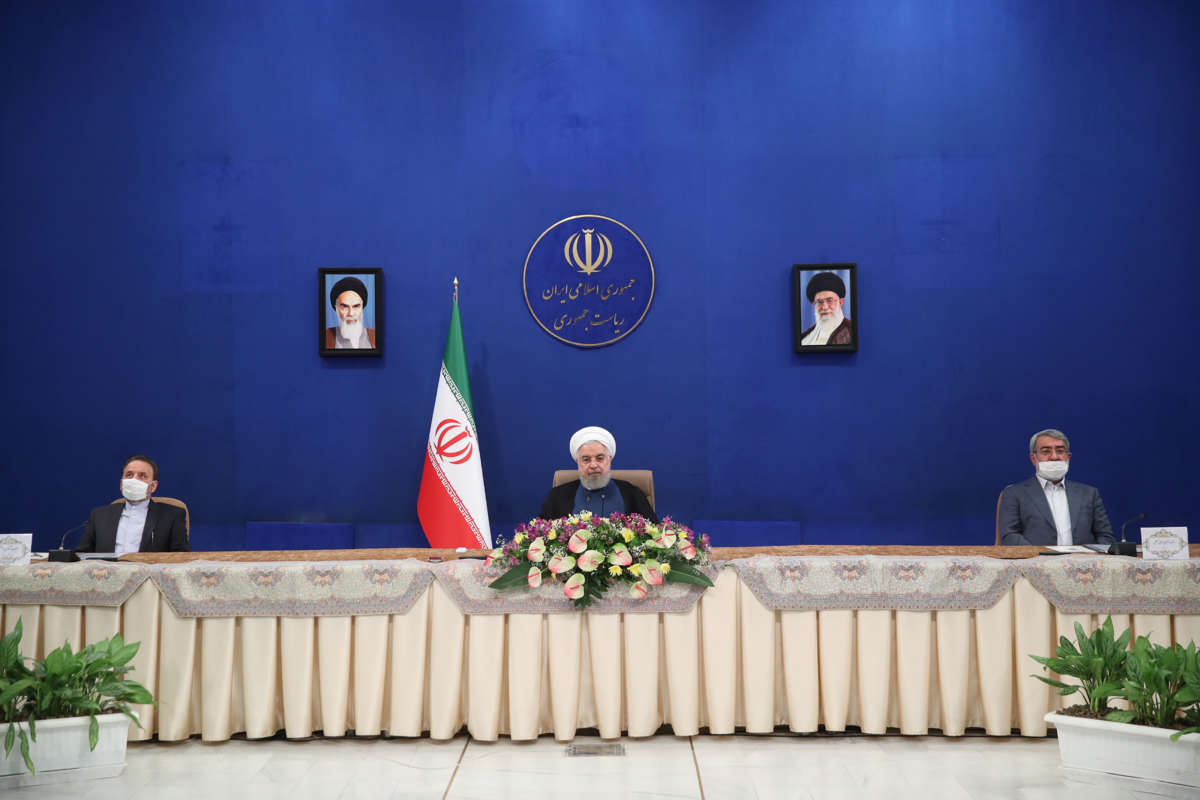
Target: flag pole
pixel 456 288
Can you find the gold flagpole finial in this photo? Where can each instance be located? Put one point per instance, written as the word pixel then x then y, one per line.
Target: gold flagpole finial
pixel 456 288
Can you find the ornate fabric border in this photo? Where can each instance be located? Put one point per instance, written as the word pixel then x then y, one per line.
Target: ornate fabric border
pixel 1073 584
pixel 1116 584
pixel 820 583
pixel 82 583
pixel 292 589
pixel 467 584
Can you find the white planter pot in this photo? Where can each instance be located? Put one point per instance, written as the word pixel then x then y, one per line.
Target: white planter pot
pixel 1121 749
pixel 61 752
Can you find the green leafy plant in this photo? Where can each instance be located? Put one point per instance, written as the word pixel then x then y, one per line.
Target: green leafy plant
pixel 1160 683
pixel 1191 680
pixel 65 684
pixel 16 680
pixel 1098 663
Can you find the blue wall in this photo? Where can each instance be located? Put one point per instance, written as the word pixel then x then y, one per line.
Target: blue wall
pixel 1018 182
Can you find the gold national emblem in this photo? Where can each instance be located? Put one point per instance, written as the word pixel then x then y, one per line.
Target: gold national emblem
pixel 597 251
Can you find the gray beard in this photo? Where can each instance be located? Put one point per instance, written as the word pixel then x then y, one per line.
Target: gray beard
pixel 834 319
pixel 351 331
pixel 594 483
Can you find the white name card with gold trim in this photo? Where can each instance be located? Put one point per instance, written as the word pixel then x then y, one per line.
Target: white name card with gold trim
pixel 15 548
pixel 1164 543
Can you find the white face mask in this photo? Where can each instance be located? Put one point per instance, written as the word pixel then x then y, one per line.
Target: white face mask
pixel 134 490
pixel 1052 470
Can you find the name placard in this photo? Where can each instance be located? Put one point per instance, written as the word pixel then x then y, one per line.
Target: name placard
pixel 1164 543
pixel 15 548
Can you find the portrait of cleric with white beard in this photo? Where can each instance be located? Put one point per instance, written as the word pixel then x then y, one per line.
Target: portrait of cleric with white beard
pixel 350 313
pixel 823 301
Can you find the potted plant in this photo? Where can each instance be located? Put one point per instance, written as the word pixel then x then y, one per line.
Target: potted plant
pixel 65 713
pixel 1162 687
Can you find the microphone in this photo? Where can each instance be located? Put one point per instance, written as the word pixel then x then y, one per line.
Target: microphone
pixel 62 554
pixel 1124 548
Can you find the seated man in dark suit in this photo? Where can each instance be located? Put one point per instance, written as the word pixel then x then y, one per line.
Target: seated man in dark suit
pixel 596 490
pixel 139 524
pixel 1046 509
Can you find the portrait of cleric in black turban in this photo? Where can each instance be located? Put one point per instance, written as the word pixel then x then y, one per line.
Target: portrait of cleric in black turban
pixel 823 306
pixel 351 311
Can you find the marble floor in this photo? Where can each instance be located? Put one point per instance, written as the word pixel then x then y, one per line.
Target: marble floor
pixel 708 767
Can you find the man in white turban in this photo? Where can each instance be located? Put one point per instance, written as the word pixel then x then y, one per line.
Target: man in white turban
pixel 593 449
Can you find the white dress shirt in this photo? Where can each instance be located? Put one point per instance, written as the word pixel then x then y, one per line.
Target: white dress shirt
pixel 1056 496
pixel 129 529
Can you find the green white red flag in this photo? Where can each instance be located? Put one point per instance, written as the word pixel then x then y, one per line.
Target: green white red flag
pixel 452 505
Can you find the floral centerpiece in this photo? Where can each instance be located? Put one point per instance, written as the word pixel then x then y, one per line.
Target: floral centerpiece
pixel 588 554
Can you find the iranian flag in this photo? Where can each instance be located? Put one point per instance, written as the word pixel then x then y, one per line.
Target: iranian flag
pixel 452 505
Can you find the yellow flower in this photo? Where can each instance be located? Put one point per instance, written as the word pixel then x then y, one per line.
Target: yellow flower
pixel 585 515
pixel 520 537
pixel 627 534
pixel 572 518
pixel 652 530
pixel 552 535
pixel 666 568
pixel 614 570
pixel 635 569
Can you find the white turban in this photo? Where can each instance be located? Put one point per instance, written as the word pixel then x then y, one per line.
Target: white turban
pixel 593 433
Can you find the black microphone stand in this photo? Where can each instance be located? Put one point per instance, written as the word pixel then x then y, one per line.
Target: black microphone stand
pixel 1124 548
pixel 61 554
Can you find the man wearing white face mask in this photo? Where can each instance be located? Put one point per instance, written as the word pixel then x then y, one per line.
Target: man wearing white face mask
pixel 1047 509
pixel 139 524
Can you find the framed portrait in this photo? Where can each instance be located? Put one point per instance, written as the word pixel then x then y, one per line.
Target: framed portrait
pixel 825 308
pixel 350 311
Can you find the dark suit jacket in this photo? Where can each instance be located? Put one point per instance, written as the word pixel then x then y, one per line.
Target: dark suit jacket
pixel 561 501
pixel 165 529
pixel 1025 516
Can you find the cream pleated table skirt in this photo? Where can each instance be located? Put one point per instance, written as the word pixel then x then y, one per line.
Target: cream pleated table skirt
pixel 728 663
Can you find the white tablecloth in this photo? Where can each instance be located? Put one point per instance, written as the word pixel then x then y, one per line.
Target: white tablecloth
pixel 729 662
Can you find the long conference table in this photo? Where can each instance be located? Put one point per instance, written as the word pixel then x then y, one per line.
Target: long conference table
pixel 385 642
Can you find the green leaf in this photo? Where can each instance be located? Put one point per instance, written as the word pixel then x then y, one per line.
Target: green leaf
pixel 1120 716
pixel 517 576
pixel 1054 683
pixel 686 573
pixel 14 689
pixel 93 732
pixel 1175 736
pixel 25 752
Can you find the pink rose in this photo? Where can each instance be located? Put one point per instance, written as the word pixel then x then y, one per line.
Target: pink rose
pixel 577 543
pixel 558 564
pixel 590 560
pixel 537 550
pixel 638 590
pixel 620 556
pixel 574 586
pixel 534 578
pixel 653 572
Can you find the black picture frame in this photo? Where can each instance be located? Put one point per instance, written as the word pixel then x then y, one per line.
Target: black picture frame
pixel 804 313
pixel 371 279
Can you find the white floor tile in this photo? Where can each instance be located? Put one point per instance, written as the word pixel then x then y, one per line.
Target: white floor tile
pixel 659 768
